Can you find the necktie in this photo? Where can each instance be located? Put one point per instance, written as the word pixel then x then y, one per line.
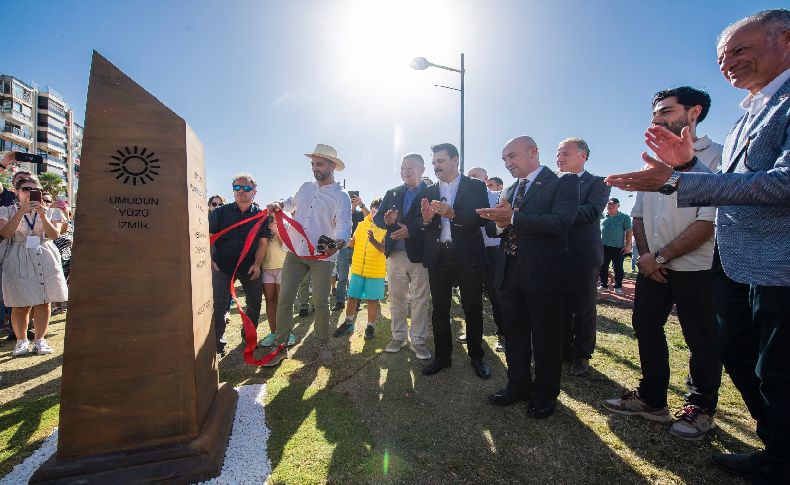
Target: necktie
pixel 510 240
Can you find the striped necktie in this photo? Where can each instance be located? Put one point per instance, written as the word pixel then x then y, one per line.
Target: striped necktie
pixel 510 239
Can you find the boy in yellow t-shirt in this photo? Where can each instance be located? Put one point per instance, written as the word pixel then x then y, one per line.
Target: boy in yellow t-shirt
pixel 368 268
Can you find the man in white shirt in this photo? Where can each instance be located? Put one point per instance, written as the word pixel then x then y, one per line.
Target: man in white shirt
pixel 322 209
pixel 752 193
pixel 675 256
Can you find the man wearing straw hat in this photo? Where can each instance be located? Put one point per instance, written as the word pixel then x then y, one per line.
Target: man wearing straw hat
pixel 322 209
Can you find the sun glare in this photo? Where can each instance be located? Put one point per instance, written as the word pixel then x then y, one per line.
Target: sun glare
pixel 373 42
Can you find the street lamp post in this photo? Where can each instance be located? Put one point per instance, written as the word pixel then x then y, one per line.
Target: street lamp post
pixel 421 63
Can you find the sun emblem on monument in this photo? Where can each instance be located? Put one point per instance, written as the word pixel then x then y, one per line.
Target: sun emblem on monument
pixel 135 166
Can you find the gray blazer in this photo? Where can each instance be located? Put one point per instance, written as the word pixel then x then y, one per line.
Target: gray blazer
pixel 752 193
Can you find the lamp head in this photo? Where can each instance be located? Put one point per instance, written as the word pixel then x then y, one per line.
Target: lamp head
pixel 420 63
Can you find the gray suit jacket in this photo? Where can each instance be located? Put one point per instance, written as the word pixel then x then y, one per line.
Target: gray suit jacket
pixel 752 193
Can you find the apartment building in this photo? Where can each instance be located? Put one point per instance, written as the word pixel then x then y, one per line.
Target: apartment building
pixel 39 120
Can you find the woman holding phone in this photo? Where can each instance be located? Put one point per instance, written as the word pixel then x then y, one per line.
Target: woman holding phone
pixel 32 273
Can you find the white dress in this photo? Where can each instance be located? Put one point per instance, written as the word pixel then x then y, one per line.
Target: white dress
pixel 32 276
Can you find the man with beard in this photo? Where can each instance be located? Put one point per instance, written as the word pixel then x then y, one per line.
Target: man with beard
pixel 752 192
pixel 322 209
pixel 454 252
pixel 675 255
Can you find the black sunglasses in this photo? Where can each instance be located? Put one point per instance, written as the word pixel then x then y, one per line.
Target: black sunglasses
pixel 246 188
pixel 216 204
pixel 27 189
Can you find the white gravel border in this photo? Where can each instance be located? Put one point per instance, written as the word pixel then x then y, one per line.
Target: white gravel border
pixel 246 460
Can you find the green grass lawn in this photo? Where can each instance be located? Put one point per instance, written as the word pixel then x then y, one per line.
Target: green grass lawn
pixel 372 417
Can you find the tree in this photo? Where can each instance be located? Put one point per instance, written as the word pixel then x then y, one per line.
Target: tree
pixel 52 183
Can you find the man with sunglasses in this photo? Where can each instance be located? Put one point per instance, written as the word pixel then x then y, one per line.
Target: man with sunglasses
pixel 322 209
pixel 227 249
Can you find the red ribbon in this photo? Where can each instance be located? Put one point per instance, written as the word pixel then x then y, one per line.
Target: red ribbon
pixel 250 332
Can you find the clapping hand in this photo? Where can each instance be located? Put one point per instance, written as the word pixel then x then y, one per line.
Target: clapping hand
pixel 502 214
pixel 391 217
pixel 443 209
pixel 671 149
pixel 426 211
pixel 401 233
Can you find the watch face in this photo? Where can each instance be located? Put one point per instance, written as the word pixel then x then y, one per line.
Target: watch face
pixel 666 189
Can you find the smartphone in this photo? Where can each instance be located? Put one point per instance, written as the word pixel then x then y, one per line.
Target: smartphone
pixel 353 193
pixel 35 195
pixel 41 165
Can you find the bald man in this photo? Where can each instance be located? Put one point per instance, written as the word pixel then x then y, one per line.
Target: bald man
pixel 533 219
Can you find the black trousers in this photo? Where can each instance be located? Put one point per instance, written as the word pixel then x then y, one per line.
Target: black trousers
pixel 581 314
pixel 614 256
pixel 692 293
pixel 253 292
pixel 533 329
pixel 441 277
pixel 490 288
pixel 753 339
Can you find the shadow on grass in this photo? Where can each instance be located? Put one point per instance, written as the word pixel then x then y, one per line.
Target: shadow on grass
pixel 23 423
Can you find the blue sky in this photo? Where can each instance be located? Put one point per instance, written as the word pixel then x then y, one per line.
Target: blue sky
pixel 261 82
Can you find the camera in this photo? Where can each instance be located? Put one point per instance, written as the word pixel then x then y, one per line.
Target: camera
pixel 325 243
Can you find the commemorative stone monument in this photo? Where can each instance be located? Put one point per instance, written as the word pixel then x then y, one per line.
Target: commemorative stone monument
pixel 140 398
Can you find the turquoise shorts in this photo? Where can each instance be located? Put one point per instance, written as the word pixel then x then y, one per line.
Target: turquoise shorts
pixel 363 288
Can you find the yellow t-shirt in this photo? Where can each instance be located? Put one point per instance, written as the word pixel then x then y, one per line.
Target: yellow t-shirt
pixel 275 254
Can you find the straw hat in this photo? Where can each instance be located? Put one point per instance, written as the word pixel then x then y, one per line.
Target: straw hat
pixel 326 151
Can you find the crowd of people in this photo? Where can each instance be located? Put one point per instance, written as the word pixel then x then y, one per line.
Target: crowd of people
pixel 541 248
pixel 707 233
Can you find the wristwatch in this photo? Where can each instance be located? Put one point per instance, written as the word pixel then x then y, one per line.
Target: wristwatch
pixel 660 259
pixel 671 185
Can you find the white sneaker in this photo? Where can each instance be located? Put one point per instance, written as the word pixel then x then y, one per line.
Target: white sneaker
pixel 21 347
pixel 41 347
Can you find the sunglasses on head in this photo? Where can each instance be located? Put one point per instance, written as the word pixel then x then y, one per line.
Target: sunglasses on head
pixel 216 204
pixel 246 188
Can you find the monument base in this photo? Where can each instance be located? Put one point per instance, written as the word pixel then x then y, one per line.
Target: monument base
pixel 179 463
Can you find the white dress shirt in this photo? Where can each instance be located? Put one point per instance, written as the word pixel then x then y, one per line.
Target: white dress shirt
pixel 493 200
pixel 321 210
pixel 754 103
pixel 664 221
pixel 447 192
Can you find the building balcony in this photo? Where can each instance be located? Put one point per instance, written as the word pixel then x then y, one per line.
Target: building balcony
pixel 16 116
pixel 59 132
pixel 53 111
pixel 58 163
pixel 17 132
pixel 52 145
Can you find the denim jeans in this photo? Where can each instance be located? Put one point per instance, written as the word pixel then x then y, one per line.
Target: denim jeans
pixel 343 265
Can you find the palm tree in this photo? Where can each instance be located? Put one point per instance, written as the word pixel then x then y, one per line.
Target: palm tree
pixel 52 183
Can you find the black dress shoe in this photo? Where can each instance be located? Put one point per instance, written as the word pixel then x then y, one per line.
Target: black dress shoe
pixel 541 411
pixel 481 369
pixel 435 366
pixel 579 367
pixel 304 312
pixel 741 464
pixel 506 397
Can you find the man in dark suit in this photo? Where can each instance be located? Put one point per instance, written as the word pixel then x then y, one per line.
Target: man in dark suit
pixel 408 278
pixel 533 218
pixel 454 252
pixel 584 242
